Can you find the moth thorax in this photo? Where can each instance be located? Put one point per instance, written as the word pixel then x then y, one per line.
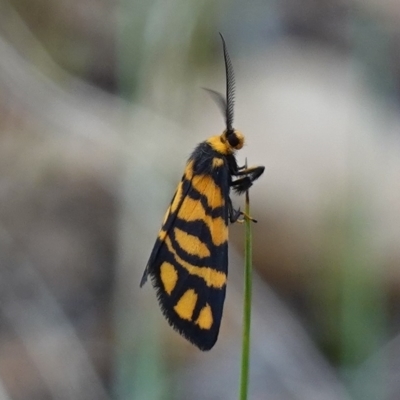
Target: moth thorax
pixel 233 138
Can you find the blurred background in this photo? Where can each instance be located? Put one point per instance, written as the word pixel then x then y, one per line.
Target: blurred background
pixel 100 106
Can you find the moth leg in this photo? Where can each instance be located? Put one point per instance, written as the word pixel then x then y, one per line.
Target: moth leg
pixel 245 217
pixel 242 184
pixel 248 176
pixel 253 172
pixel 234 215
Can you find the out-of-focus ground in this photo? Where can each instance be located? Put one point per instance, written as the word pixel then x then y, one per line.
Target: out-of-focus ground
pixel 100 105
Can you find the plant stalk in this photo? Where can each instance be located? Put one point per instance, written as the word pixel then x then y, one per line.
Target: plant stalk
pixel 244 376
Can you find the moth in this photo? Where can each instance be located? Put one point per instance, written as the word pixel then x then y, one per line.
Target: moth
pixel 188 265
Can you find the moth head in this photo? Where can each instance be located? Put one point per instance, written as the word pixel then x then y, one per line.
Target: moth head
pixel 233 139
pixel 230 139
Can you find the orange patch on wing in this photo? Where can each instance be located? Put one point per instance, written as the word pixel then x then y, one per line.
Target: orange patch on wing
pixel 177 198
pixel 186 304
pixel 189 171
pixel 205 319
pixel 169 276
pixel 191 244
pixel 205 185
pixel 192 210
pixel 211 276
pixel 166 215
pixel 162 234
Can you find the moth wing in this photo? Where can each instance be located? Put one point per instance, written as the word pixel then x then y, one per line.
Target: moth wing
pixel 169 218
pixel 189 262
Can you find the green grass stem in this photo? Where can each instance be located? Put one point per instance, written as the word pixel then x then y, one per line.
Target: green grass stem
pixel 244 375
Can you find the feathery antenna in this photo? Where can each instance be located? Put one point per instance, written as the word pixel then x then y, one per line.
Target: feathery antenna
pixel 230 87
pixel 226 103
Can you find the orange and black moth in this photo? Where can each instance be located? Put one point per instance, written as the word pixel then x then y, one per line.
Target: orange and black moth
pixel 189 262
